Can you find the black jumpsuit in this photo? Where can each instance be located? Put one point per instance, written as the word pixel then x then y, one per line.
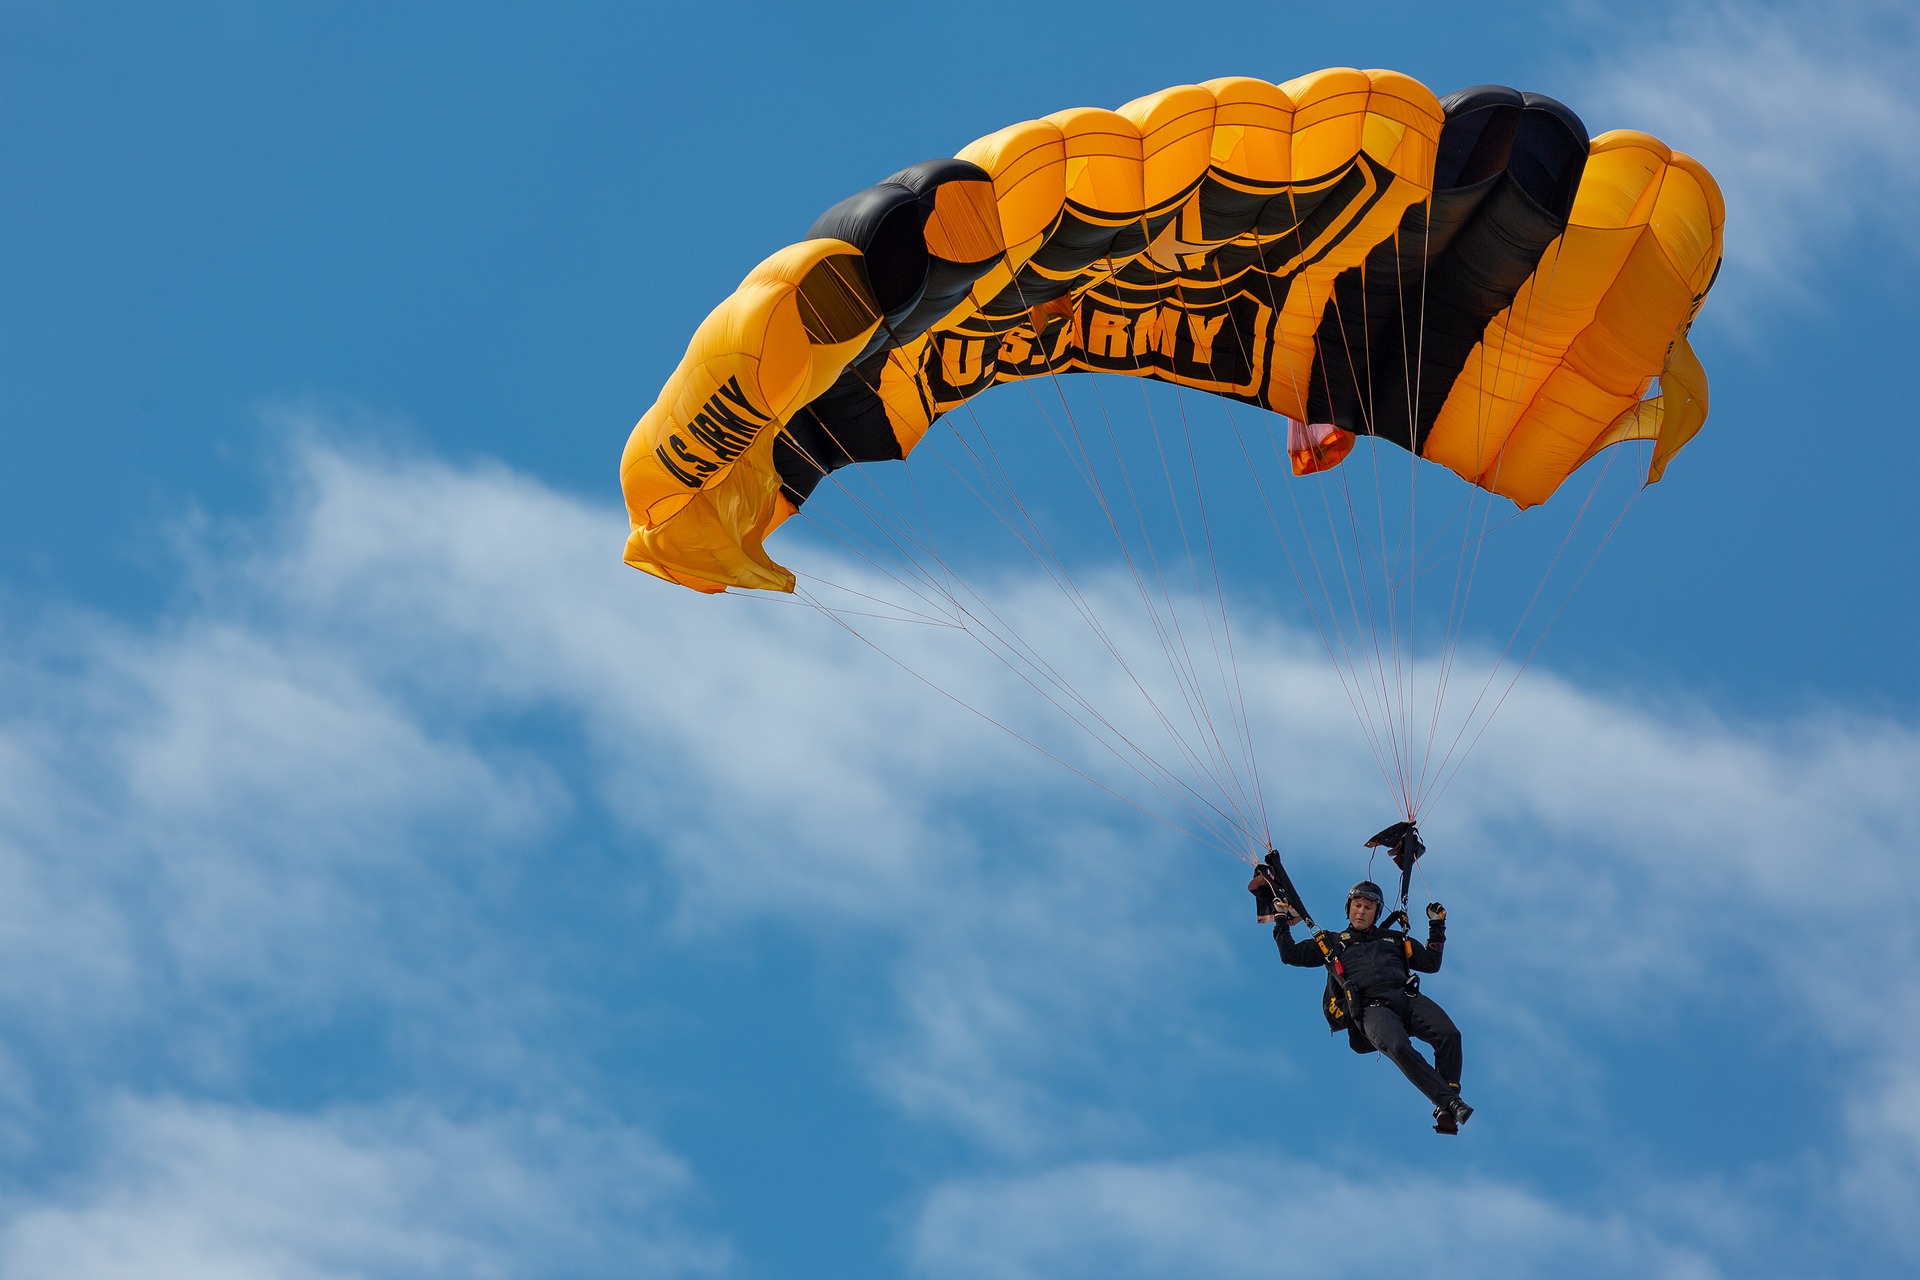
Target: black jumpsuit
pixel 1375 966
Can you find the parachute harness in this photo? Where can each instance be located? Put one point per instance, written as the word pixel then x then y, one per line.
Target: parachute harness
pixel 1404 845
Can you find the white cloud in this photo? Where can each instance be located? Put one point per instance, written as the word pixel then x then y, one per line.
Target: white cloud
pixel 1250 1216
pixel 737 732
pixel 179 1190
pixel 216 807
pixel 234 800
pixel 785 766
pixel 1882 1114
pixel 1017 987
pixel 1808 115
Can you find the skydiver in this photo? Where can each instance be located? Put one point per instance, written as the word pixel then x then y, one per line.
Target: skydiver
pixel 1373 995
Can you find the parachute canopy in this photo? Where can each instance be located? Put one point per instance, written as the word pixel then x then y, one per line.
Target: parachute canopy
pixel 1471 278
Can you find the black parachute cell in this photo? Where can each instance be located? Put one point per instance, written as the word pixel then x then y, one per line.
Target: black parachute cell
pixel 1402 325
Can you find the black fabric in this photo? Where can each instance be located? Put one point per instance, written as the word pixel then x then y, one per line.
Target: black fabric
pixel 1491 128
pixel 913 289
pixel 1401 327
pixel 1283 889
pixel 847 424
pixel 1076 242
pixel 947 284
pixel 887 223
pixel 1072 245
pixel 1392 1031
pixel 1264 906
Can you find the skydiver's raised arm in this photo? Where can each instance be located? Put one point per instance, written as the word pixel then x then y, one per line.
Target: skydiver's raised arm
pixel 1426 959
pixel 1304 954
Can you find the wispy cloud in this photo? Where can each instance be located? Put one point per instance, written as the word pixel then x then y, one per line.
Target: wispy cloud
pixel 1247 1216
pixel 309 792
pixel 219 807
pixel 178 1189
pixel 1808 115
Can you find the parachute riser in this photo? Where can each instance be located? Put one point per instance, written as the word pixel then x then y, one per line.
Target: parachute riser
pixel 1403 844
pixel 1281 886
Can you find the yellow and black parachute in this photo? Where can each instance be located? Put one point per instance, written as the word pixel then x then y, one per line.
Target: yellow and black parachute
pixel 1471 278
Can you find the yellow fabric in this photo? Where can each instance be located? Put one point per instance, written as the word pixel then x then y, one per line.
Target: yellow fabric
pixel 1560 374
pixel 1575 352
pixel 1120 168
pixel 757 358
pixel 1684 403
pixel 1669 419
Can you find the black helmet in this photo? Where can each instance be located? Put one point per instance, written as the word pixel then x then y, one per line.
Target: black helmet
pixel 1370 891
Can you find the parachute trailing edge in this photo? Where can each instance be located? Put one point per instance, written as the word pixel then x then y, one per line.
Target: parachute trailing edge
pixel 1471 278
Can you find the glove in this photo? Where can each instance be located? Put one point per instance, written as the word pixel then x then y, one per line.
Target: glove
pixel 1435 912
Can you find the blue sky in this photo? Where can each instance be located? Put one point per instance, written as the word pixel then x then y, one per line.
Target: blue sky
pixel 394 884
